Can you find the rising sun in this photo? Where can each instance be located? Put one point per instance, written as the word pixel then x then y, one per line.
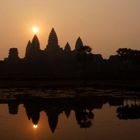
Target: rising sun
pixel 35 29
pixel 35 126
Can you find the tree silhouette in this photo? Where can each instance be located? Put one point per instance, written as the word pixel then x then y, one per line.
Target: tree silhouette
pixel 84 57
pixel 129 55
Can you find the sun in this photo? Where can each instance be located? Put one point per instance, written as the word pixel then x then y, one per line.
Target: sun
pixel 35 126
pixel 35 29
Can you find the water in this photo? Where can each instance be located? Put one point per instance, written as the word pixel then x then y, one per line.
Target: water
pixel 76 114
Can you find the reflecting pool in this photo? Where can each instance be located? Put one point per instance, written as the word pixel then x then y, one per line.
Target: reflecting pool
pixel 74 114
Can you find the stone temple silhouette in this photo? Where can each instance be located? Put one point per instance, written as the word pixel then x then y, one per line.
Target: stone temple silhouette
pixel 59 62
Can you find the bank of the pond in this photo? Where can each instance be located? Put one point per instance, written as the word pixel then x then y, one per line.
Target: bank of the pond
pixel 103 84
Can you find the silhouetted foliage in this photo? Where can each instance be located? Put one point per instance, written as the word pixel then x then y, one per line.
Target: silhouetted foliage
pixel 129 112
pixel 129 55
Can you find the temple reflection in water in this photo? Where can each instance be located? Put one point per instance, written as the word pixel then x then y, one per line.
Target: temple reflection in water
pixel 83 108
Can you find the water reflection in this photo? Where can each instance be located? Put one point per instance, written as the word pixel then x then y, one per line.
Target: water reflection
pixel 35 126
pixel 83 107
pixel 129 112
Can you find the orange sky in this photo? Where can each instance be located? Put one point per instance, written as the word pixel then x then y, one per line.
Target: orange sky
pixel 105 25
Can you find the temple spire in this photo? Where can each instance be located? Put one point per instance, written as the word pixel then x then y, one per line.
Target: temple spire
pixel 53 45
pixel 67 48
pixel 53 39
pixel 13 55
pixel 28 48
pixel 35 43
pixel 79 44
pixel 33 50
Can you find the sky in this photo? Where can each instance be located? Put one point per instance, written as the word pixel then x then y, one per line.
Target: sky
pixel 104 25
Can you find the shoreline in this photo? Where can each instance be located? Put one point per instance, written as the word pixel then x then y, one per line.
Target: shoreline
pixel 52 84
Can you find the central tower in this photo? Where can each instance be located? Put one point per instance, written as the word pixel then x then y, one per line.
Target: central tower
pixel 53 46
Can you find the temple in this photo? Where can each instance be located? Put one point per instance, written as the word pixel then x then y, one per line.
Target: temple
pixel 66 62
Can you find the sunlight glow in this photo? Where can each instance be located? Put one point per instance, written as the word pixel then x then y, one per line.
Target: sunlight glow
pixel 35 29
pixel 35 126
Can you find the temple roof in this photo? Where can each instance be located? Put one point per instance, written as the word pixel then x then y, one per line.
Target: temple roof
pixel 67 47
pixel 79 43
pixel 53 39
pixel 35 42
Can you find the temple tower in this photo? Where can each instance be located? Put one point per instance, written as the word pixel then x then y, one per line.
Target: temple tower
pixel 53 46
pixel 79 44
pixel 13 55
pixel 33 50
pixel 67 48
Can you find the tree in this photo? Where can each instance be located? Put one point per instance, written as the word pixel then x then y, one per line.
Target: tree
pixel 129 55
pixel 84 57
